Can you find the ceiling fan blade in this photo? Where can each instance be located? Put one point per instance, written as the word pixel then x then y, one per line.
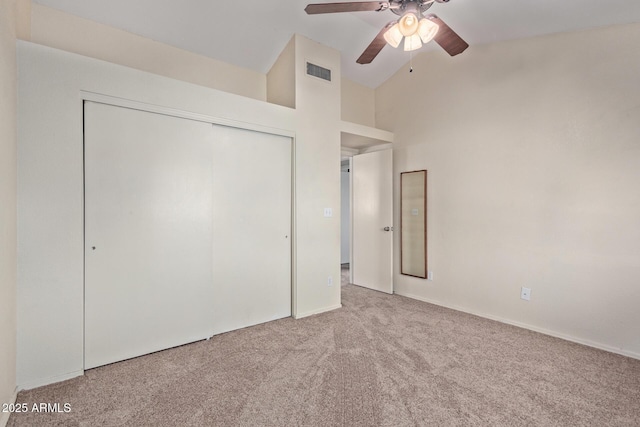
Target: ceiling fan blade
pixel 363 6
pixel 375 46
pixel 447 38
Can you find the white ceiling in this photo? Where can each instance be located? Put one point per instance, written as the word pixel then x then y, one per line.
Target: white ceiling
pixel 252 33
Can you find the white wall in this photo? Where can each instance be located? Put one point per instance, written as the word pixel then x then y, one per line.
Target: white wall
pixel 533 154
pixel 50 190
pixel 8 83
pixel 317 178
pixel 357 103
pixel 53 28
pixel 281 78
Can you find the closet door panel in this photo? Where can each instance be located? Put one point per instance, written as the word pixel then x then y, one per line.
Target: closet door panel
pixel 148 232
pixel 251 227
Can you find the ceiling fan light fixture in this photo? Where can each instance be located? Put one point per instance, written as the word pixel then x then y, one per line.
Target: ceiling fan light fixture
pixel 427 30
pixel 412 43
pixel 408 24
pixel 393 36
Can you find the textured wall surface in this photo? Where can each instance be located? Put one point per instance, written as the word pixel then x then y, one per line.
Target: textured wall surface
pixel 7 203
pixel 533 153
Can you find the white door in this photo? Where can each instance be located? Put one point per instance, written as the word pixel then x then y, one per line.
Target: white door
pixel 251 228
pixel 148 232
pixel 372 192
pixel 187 231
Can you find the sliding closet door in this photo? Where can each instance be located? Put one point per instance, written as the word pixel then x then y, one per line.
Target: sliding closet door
pixel 251 227
pixel 148 232
pixel 187 231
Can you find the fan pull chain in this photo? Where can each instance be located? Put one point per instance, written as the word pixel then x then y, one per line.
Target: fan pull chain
pixel 411 61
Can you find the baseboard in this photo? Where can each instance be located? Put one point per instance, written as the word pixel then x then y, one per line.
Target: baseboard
pixel 46 381
pixel 549 332
pixel 321 310
pixel 4 416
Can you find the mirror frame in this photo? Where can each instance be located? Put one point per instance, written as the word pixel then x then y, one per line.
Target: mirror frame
pixel 404 231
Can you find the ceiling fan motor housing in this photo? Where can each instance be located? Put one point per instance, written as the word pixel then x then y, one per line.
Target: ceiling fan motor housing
pixel 400 7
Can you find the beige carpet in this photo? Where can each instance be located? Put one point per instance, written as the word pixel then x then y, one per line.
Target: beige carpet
pixel 381 360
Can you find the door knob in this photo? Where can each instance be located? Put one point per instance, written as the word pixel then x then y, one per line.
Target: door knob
pixel 388 229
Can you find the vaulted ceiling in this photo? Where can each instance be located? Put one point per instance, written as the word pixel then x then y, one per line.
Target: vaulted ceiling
pixel 252 33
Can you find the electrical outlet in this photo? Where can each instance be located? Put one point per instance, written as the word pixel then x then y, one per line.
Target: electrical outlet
pixel 430 275
pixel 328 212
pixel 525 293
pixel 329 281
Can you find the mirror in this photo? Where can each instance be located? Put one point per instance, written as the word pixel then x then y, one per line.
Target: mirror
pixel 413 223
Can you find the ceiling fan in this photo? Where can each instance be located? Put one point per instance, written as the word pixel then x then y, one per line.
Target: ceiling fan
pixel 413 25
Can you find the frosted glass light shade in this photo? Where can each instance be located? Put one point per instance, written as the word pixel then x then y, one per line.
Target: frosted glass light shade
pixel 427 30
pixel 412 43
pixel 393 36
pixel 408 24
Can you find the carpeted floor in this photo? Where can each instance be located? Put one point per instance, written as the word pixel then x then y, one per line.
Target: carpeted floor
pixel 381 360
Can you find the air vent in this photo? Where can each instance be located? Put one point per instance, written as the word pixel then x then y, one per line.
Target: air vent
pixel 318 71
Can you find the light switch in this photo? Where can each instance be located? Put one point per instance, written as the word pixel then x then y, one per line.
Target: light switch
pixel 328 212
